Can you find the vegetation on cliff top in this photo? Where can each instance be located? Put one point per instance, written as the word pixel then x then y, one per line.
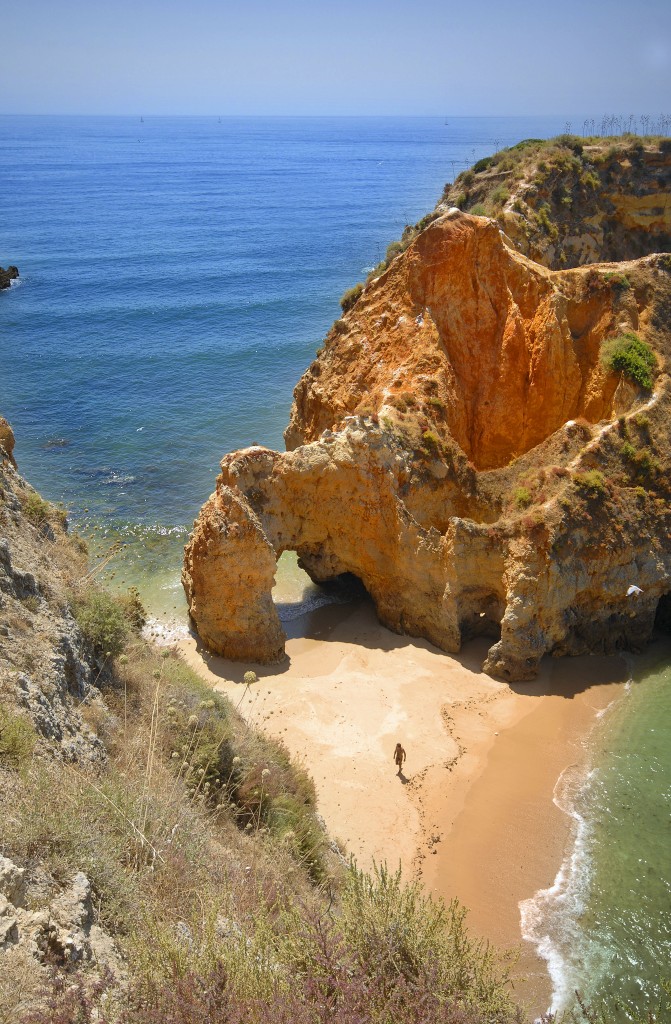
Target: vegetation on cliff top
pixel 551 197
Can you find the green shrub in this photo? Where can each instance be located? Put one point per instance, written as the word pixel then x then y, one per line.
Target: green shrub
pixel 620 282
pixel 500 195
pixel 629 355
pixel 522 497
pixel 350 297
pixel 376 271
pixel 17 740
pixel 394 249
pixel 645 463
pixel 526 143
pixel 102 622
pixel 544 221
pixel 132 609
pixel 427 219
pixel 627 451
pixel 482 165
pixel 591 483
pixel 41 512
pixel 590 180
pixel 479 210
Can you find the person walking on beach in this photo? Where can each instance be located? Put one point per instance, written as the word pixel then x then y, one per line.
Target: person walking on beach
pixel 399 757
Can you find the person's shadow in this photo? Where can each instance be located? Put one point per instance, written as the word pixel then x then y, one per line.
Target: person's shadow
pixel 404 779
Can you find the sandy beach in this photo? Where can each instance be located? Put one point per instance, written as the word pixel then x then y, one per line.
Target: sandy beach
pixel 472 813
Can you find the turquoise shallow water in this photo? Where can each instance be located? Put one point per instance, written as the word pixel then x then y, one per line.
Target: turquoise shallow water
pixel 605 925
pixel 177 276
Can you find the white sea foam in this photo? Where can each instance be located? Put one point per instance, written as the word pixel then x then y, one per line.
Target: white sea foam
pixel 164 634
pixel 604 711
pixel 549 919
pixel 289 610
pixel 114 479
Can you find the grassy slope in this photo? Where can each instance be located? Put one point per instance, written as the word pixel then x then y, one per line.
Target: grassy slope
pixel 209 867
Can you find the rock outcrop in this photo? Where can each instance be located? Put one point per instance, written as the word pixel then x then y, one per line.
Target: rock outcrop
pixel 48 921
pixel 46 669
pixel 6 442
pixel 44 926
pixel 7 276
pixel 461 447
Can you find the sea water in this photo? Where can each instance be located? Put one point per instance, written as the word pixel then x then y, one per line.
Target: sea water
pixel 604 927
pixel 177 275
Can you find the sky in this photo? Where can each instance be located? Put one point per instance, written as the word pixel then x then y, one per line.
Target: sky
pixel 309 57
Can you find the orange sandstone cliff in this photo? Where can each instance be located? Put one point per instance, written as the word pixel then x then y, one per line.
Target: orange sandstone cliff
pixel 461 446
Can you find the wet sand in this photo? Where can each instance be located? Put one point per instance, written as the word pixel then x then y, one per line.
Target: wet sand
pixel 472 813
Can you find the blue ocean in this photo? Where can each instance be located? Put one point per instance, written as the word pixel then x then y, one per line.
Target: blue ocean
pixel 177 276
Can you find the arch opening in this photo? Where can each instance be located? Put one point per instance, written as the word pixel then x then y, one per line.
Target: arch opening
pixel 480 614
pixel 298 593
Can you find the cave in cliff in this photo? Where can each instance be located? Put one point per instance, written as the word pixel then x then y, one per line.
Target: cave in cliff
pixel 663 614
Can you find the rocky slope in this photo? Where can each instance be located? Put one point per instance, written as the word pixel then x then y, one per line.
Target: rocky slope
pixel 131 796
pixel 46 666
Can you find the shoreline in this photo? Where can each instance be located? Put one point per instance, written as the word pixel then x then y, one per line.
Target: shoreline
pixel 472 814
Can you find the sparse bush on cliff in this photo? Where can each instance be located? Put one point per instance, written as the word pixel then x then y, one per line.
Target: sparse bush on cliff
pixel 102 622
pixel 431 440
pixel 591 483
pixel 629 355
pixel 544 220
pixel 522 497
pixel 41 512
pixel 350 297
pixel 393 250
pixel 620 282
pixel 645 464
pixel 500 195
pixel 427 219
pixel 17 740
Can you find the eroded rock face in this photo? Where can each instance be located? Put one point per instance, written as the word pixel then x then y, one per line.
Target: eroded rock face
pixel 35 930
pixel 500 350
pixel 436 456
